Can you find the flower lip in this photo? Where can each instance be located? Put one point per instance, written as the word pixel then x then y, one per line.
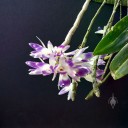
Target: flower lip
pixel 61 70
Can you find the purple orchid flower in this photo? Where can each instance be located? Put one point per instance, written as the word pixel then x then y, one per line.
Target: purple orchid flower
pixel 72 65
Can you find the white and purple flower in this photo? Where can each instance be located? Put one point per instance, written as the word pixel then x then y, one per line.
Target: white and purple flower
pixel 72 65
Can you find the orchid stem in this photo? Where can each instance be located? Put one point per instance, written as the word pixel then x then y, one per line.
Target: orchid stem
pixel 91 24
pixel 120 9
pixel 76 23
pixel 74 88
pixel 94 82
pixel 106 67
pixel 108 27
pixel 96 86
pixel 109 24
pixel 91 93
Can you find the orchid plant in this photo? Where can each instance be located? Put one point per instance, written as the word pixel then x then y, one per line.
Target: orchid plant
pixel 78 64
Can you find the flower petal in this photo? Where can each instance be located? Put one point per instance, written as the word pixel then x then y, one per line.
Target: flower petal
pixel 80 51
pixel 35 72
pixel 83 71
pixel 49 45
pixel 34 64
pixel 86 56
pixel 44 69
pixel 101 62
pixel 43 53
pixel 64 80
pixel 70 62
pixel 52 60
pixel 99 72
pixel 35 46
pixel 65 48
pixel 71 53
pixel 64 90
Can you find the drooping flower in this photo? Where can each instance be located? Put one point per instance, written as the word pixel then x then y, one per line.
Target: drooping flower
pixel 71 65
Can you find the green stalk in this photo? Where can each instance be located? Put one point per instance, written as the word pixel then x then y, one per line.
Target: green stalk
pixel 120 9
pixel 91 24
pixel 74 89
pixel 96 86
pixel 106 67
pixel 108 28
pixel 109 24
pixel 91 93
pixel 94 82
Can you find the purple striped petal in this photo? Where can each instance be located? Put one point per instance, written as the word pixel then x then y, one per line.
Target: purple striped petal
pixel 64 83
pixel 34 64
pixel 40 68
pixel 65 48
pixel 43 53
pixel 64 80
pixel 82 72
pixel 99 72
pixel 46 69
pixel 64 90
pixel 101 62
pixel 88 55
pixel 70 62
pixel 45 73
pixel 35 46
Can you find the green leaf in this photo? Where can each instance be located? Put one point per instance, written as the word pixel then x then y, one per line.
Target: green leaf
pixel 123 2
pixel 119 65
pixel 115 39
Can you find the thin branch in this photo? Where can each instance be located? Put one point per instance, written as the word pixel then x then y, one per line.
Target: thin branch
pixel 91 93
pixel 120 9
pixel 109 24
pixel 91 24
pixel 94 82
pixel 76 23
pixel 106 67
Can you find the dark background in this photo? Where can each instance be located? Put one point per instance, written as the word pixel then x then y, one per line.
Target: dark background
pixel 33 101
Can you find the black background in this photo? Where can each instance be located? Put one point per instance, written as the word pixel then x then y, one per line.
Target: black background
pixel 32 101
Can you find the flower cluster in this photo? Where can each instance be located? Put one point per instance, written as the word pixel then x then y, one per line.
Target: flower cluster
pixel 70 66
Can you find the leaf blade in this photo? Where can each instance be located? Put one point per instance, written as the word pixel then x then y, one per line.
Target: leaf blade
pixel 119 64
pixel 115 39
